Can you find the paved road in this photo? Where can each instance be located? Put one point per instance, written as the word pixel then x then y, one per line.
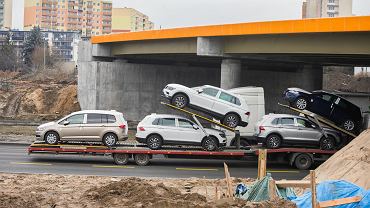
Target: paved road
pixel 14 159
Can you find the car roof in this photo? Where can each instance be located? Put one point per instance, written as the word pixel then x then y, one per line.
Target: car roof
pixel 166 116
pixel 112 112
pixel 272 115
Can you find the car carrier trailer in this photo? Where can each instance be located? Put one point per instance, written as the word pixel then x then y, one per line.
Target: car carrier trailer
pixel 302 158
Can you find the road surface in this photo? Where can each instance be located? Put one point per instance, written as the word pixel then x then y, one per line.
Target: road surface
pixel 15 159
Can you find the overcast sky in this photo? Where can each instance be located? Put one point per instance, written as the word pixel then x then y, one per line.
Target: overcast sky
pixel 181 13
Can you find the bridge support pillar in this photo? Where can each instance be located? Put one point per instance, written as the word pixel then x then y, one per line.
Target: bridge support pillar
pixel 230 73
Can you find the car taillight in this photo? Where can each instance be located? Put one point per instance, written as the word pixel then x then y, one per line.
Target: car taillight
pixel 141 128
pixel 247 113
pixel 122 126
pixel 261 128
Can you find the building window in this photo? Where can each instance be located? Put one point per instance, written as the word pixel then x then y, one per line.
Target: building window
pixel 331 1
pixel 331 7
pixel 331 14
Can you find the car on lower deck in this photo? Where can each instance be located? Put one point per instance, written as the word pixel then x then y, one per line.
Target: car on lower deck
pixel 328 105
pixel 157 130
pixel 228 107
pixel 277 130
pixel 107 127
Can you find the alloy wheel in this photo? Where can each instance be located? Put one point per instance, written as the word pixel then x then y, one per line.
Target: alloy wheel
pixel 274 142
pixel 349 125
pixel 51 138
pixel 180 101
pixel 154 142
pixel 327 144
pixel 110 140
pixel 301 103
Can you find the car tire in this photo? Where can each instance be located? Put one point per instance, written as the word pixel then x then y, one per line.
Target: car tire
pixel 180 100
pixel 121 159
pixel 301 103
pixel 349 125
pixel 327 143
pixel 142 159
pixel 273 141
pixel 110 139
pixel 154 142
pixel 51 137
pixel 303 161
pixel 243 143
pixel 231 120
pixel 210 143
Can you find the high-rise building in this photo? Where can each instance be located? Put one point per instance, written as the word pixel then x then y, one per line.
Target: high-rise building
pixel 90 17
pixel 6 13
pixel 130 20
pixel 326 8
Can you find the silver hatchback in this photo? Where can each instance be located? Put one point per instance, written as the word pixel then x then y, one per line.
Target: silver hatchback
pixel 275 130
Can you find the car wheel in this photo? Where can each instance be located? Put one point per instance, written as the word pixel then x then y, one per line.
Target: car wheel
pixel 348 125
pixel 231 120
pixel 110 139
pixel 180 100
pixel 210 143
pixel 51 137
pixel 303 161
pixel 273 141
pixel 121 159
pixel 327 143
pixel 301 103
pixel 154 142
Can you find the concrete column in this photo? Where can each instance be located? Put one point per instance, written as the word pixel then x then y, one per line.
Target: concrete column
pixel 230 73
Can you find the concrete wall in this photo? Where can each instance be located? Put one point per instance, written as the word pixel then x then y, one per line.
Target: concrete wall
pixel 276 79
pixel 134 89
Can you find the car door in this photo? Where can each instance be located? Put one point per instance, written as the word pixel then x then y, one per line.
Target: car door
pixel 307 131
pixel 187 133
pixel 167 129
pixel 205 98
pixel 93 127
pixel 225 103
pixel 287 128
pixel 72 130
pixel 322 104
pixel 340 111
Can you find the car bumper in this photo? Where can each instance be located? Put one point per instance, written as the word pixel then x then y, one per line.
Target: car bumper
pixel 38 135
pixel 260 139
pixel 243 123
pixel 222 144
pixel 141 140
pixel 166 94
pixel 123 138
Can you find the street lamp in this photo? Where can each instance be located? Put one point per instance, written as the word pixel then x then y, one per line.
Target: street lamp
pixel 45 39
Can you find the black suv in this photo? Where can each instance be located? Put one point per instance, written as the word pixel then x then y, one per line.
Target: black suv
pixel 333 107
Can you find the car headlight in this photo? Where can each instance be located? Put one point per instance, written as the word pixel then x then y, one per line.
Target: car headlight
pixel 169 88
pixel 40 129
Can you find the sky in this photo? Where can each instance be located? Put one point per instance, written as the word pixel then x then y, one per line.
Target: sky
pixel 184 13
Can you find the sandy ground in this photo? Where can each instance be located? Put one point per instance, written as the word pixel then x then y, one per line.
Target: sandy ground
pixel 30 190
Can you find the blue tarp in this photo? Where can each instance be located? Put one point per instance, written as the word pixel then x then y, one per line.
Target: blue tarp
pixel 335 189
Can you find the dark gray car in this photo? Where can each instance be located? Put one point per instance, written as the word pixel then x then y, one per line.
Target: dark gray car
pixel 276 130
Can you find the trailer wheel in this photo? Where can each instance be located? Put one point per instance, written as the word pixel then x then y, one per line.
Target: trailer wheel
pixel 121 159
pixel 303 161
pixel 142 159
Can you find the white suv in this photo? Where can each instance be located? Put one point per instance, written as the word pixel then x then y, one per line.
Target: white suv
pixel 156 130
pixel 223 105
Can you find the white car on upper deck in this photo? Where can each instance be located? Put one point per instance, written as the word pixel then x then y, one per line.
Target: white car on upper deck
pixel 223 105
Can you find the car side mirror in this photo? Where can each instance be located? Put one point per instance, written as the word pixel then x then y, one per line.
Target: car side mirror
pixel 199 90
pixel 65 123
pixel 195 127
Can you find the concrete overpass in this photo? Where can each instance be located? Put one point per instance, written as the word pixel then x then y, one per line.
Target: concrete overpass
pixel 127 71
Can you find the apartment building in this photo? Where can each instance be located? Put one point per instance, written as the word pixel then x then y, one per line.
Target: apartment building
pixel 89 17
pixel 63 45
pixel 6 13
pixel 130 20
pixel 326 8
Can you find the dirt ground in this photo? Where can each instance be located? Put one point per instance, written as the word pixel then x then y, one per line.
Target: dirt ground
pixel 29 190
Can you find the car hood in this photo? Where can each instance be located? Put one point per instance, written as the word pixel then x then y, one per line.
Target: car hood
pixel 47 124
pixel 298 90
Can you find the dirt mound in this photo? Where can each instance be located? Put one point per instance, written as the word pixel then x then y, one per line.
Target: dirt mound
pixel 16 201
pixel 135 192
pixel 351 163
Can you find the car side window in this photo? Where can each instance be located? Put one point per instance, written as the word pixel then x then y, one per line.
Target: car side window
pixel 303 123
pixel 228 98
pixel 111 119
pixel 275 121
pixel 210 91
pixel 167 122
pixel 93 118
pixel 287 121
pixel 185 123
pixel 156 121
pixel 76 119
